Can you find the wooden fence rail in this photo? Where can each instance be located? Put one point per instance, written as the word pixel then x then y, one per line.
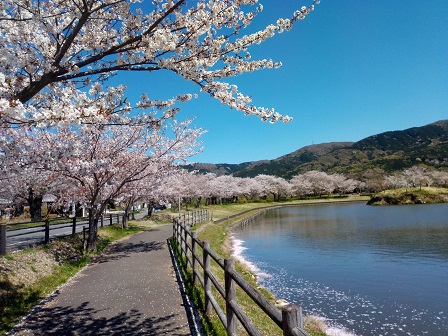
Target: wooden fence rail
pixel 198 256
pixel 8 231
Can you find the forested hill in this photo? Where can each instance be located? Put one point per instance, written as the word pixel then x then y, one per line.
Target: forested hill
pixel 391 151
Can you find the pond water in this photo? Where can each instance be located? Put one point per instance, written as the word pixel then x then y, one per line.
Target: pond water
pixel 373 270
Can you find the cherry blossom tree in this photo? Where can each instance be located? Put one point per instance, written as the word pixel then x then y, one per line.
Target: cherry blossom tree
pixel 343 184
pixel 373 179
pixel 249 188
pixel 202 183
pixel 28 186
pixel 225 188
pixel 440 178
pixel 301 186
pixel 273 185
pixel 25 178
pixel 179 187
pixel 154 193
pixel 152 189
pixel 100 161
pixel 57 56
pixel 397 180
pixel 417 176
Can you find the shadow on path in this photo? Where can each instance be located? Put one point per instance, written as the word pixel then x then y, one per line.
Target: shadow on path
pixel 124 250
pixel 83 320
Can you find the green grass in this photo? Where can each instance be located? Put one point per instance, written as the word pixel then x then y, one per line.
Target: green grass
pixel 16 301
pixel 211 324
pixel 228 210
pixel 18 297
pixel 217 234
pixel 418 195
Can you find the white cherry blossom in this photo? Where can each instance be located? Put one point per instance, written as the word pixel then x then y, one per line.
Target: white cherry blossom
pixel 58 56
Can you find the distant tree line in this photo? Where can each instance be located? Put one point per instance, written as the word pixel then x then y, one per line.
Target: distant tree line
pixel 213 189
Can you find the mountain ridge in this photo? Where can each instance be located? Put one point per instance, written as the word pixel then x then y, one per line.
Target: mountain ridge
pixel 390 151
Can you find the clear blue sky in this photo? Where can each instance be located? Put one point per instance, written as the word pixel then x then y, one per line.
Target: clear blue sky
pixel 351 69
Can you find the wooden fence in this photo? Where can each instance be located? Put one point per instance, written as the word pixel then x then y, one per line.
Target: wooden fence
pixel 41 231
pixel 198 255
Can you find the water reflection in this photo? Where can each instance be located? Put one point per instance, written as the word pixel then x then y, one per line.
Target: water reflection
pixel 343 228
pixel 377 269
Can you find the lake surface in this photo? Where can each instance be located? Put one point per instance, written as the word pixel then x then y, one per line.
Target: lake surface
pixel 374 270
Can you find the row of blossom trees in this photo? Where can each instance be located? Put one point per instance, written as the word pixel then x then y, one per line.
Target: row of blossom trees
pixel 130 177
pixel 66 129
pixel 216 189
pixel 93 164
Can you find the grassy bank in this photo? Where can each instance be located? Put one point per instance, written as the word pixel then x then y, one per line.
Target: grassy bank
pixel 218 233
pixel 27 276
pixel 423 195
pixel 228 210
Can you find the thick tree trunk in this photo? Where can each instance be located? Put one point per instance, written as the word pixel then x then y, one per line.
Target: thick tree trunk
pixel 18 207
pixel 35 203
pixel 127 210
pixel 93 230
pixel 150 210
pixel 124 220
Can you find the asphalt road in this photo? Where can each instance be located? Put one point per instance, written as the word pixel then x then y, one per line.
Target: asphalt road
pixel 19 239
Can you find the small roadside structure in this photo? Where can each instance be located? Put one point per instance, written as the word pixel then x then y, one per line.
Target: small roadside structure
pixel 6 208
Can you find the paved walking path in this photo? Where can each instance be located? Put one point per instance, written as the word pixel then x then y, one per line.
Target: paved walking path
pixel 132 290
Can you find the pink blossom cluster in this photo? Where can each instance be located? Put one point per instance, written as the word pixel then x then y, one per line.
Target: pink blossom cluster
pixel 57 56
pixel 92 164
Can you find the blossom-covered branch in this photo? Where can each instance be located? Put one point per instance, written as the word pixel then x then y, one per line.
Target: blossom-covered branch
pixel 57 56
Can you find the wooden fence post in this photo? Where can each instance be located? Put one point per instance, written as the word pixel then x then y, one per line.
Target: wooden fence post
pixel 47 231
pixel 230 291
pixel 73 226
pixel 187 252
pixel 194 247
pixel 174 231
pixel 291 318
pixel 102 220
pixel 84 240
pixel 181 240
pixel 207 281
pixel 110 219
pixel 3 239
pixel 177 233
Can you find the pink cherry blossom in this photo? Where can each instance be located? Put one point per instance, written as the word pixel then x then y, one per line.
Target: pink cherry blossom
pixel 57 56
